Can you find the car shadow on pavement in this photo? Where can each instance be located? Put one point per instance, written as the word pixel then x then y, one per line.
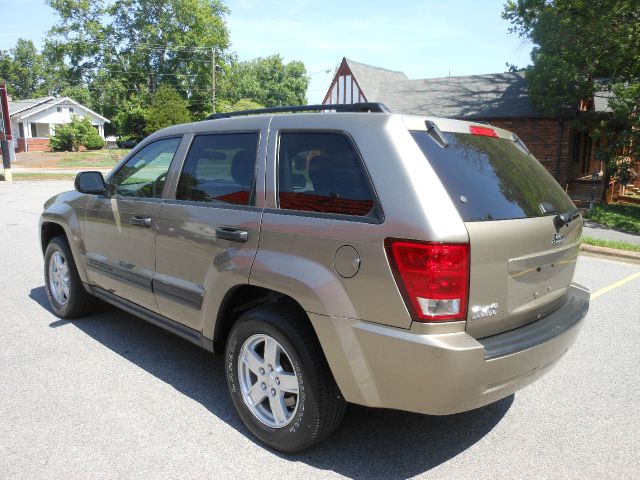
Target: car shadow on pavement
pixel 370 443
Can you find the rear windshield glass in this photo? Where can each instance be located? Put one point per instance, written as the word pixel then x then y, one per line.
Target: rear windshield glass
pixel 492 179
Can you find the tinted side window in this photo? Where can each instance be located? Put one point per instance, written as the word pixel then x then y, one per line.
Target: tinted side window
pixel 145 173
pixel 220 168
pixel 321 172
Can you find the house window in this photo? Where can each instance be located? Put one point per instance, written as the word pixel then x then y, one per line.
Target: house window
pixel 59 109
pixel 70 109
pixel 34 130
pixel 21 129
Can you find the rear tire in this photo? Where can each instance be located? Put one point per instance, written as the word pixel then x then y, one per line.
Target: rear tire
pixel 65 291
pixel 287 399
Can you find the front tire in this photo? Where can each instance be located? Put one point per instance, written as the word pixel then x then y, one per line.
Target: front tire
pixel 65 292
pixel 279 380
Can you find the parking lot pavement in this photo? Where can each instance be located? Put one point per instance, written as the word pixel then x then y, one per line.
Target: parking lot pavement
pixel 110 396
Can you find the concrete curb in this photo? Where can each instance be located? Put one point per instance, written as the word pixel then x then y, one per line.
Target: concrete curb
pixel 611 252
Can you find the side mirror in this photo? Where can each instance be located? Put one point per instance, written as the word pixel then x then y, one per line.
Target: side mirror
pixel 90 182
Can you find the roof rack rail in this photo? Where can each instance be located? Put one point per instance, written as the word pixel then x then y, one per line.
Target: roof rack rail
pixel 348 107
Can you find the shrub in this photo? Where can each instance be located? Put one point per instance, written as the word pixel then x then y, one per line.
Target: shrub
pixel 65 139
pixel 78 132
pixel 93 141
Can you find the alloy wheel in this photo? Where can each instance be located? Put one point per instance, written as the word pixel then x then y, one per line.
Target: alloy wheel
pixel 268 381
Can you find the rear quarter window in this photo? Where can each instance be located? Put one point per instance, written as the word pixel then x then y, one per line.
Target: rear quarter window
pixel 321 172
pixel 491 178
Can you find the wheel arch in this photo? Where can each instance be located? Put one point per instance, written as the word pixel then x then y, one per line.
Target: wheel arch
pixel 243 297
pixel 53 226
pixel 50 230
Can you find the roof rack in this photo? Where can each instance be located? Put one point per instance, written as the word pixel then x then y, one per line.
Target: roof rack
pixel 349 107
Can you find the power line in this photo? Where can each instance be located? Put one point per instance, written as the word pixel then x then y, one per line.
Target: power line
pixel 192 91
pixel 147 73
pixel 166 48
pixel 324 70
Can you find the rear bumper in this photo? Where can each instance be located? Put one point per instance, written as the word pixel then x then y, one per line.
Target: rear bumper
pixel 387 367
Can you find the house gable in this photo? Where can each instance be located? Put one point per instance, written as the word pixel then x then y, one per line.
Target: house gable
pixel 58 111
pixel 353 79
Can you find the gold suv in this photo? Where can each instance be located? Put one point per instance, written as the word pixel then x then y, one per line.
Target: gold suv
pixel 354 255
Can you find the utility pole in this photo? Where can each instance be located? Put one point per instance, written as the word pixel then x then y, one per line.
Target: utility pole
pixel 6 139
pixel 213 80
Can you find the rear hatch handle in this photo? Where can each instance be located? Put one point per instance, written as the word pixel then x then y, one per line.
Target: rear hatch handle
pixel 566 218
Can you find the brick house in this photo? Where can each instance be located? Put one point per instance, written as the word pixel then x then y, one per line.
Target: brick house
pixel 34 120
pixel 500 99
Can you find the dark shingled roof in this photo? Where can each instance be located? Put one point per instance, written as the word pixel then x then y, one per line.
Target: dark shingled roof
pixel 497 95
pixel 22 106
pixel 374 79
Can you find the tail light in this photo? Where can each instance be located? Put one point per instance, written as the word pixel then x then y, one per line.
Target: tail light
pixel 482 131
pixel 433 278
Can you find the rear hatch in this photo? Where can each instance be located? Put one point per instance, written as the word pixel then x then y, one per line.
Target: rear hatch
pixel 522 252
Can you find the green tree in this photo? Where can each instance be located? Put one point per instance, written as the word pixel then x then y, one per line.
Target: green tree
pixel 167 108
pixel 129 120
pixel 581 49
pixel 576 41
pixel 22 68
pixel 621 129
pixel 132 47
pixel 114 55
pixel 267 81
pixel 78 93
pixel 245 104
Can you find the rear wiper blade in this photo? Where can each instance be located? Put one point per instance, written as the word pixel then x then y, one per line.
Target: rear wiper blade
pixel 566 218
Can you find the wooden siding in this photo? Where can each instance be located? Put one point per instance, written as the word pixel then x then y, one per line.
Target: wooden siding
pixel 344 88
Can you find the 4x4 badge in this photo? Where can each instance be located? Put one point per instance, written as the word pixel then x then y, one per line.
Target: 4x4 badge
pixel 558 239
pixel 481 311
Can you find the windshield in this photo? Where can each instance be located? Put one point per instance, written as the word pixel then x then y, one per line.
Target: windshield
pixel 491 178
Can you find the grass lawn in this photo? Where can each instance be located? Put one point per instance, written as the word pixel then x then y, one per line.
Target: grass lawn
pixel 623 217
pixel 97 158
pixel 610 244
pixel 105 158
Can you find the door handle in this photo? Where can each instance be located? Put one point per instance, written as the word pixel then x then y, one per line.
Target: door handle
pixel 233 234
pixel 140 221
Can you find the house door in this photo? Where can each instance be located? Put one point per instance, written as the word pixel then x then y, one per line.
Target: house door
pixel 586 154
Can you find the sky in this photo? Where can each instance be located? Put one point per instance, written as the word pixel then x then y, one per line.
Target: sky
pixel 422 38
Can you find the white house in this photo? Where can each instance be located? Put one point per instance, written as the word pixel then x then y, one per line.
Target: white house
pixel 34 120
